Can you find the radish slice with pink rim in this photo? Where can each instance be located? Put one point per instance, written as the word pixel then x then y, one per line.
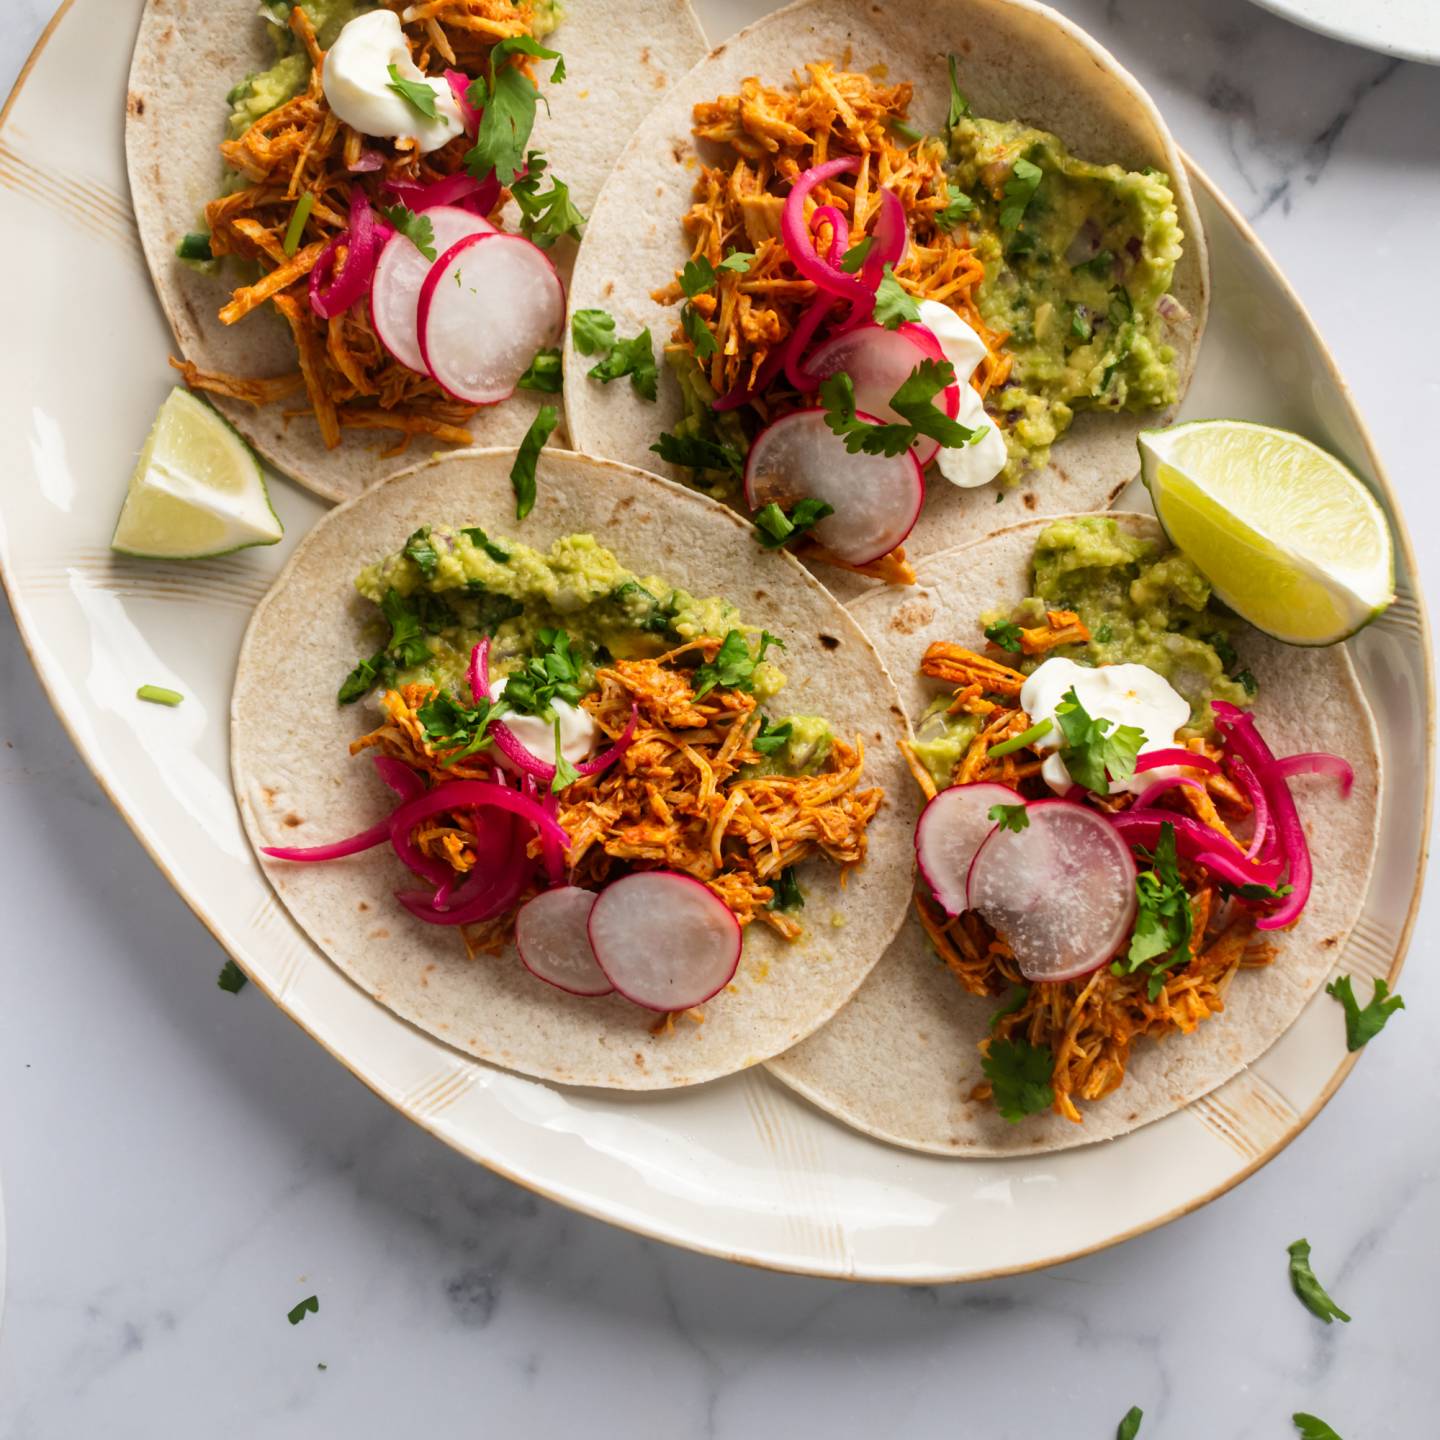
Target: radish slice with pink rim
pixel 951 829
pixel 552 936
pixel 878 362
pixel 488 304
pixel 400 275
pixel 876 498
pixel 665 942
pixel 1061 892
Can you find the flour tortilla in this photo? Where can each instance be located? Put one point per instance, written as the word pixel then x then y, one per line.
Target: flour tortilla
pixel 1016 59
pixel 296 784
pixel 620 59
pixel 901 1060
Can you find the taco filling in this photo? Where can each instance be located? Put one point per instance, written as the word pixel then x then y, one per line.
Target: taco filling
pixel 865 302
pixel 361 173
pixel 555 724
pixel 1109 838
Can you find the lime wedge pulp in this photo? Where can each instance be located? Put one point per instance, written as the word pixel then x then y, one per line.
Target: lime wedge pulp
pixel 1288 537
pixel 197 490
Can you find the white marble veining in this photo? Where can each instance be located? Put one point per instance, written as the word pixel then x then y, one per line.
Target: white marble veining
pixel 157 1237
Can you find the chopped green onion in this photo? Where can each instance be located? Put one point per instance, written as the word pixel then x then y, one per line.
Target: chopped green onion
pixel 1024 738
pixel 195 246
pixel 301 213
pixel 158 695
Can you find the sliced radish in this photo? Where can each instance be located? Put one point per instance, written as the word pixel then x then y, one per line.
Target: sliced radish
pixel 400 274
pixel 877 498
pixel 1061 891
pixel 664 941
pixel 878 362
pixel 552 936
pixel 952 828
pixel 487 305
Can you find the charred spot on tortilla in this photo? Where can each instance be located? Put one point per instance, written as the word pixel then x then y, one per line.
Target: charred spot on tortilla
pixel 912 615
pixel 292 820
pixel 1029 499
pixel 830 642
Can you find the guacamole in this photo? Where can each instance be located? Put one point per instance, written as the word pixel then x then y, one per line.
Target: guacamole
pixel 804 751
pixel 702 422
pixel 447 587
pixel 1077 259
pixel 941 740
pixel 1142 604
pixel 262 92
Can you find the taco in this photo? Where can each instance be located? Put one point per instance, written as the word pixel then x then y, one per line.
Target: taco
pixel 905 262
pixel 611 739
pixel 291 221
pixel 1076 967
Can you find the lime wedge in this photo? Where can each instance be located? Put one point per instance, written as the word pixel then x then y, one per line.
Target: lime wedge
pixel 197 490
pixel 1288 537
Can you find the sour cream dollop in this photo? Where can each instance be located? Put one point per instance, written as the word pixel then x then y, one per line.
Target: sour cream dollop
pixel 1125 694
pixel 579 734
pixel 982 460
pixel 357 84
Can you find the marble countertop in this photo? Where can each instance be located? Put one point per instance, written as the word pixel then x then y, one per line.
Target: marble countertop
pixel 157 1235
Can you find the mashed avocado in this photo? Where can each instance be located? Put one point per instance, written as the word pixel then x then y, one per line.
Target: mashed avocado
pixel 941 740
pixel 701 422
pixel 459 585
pixel 1077 257
pixel 259 94
pixel 804 751
pixel 1142 604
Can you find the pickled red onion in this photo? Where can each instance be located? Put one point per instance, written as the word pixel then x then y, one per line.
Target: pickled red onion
pixel 332 292
pixel 796 234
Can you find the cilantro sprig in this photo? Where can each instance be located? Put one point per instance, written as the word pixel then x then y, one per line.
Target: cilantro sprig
pixel 893 303
pixel 450 724
pixel 421 549
pixel 769 738
pixel 1019 1075
pixel 913 402
pixel 1312 1427
pixel 788 894
pixel 1129 1426
pixel 545 215
pixel 1311 1292
pixel 1094 747
pixel 694 452
pixel 415 93
pixel 1010 817
pixel 506 98
pixel 733 667
pixel 594 334
pixel 232 979
pixel 417 229
pixel 959 105
pixel 1164 921
pixel 1363 1025
pixel 551 673
pixel 411 620
pixel 1020 188
pixel 311 1304
pixel 544 373
pixel 1005 634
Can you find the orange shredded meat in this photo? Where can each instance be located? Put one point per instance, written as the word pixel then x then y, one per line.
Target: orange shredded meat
pixel 1089 1024
pixel 681 797
pixel 769 136
pixel 302 148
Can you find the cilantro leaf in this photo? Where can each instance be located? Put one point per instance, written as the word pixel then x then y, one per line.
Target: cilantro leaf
pixel 551 673
pixel 697 277
pixel 634 357
pixel 544 374
pixel 956 209
pixel 700 335
pixel 1312 1427
pixel 415 228
pixel 415 93
pixel 1080 326
pixel 734 665
pixel 1164 921
pixel 544 215
pixel 1019 1074
pixel 856 255
pixel 421 550
pixel 904 131
pixel 1095 748
pixel 1263 893
pixel 893 305
pixel 913 401
pixel 1362 1026
pixel 310 1306
pixel 1245 678
pixel 407 634
pixel 478 538
pixel 593 331
pixel 1129 1427
pixel 788 894
pixel 738 261
pixel 771 737
pixel 462 729
pixel 959 105
pixel 507 103
pixel 697 453
pixel 361 680
pixel 777 528
pixel 1308 1288
pixel 1020 188
pixel 1010 817
pixel 522 472
pixel 1005 634
pixel 837 395
pixel 232 978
